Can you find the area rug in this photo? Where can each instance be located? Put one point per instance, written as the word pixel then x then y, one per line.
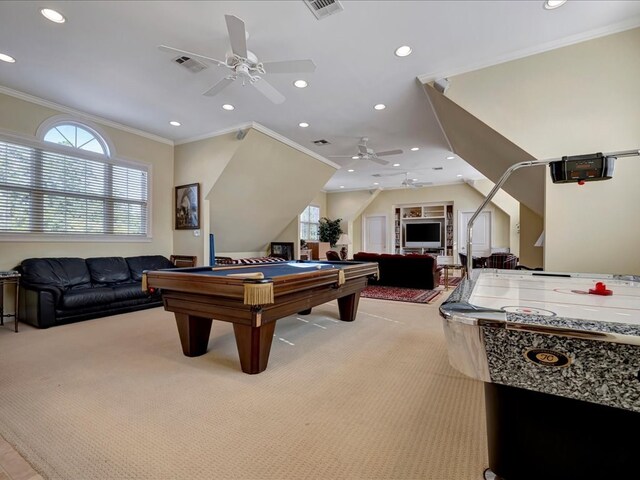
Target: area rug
pixel 453 281
pixel 413 295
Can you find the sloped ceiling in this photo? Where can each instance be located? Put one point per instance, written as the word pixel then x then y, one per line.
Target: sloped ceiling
pixel 264 185
pixel 488 151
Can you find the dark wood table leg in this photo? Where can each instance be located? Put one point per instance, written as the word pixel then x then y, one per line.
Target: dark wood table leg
pixel 194 334
pixel 254 345
pixel 305 312
pixel 348 307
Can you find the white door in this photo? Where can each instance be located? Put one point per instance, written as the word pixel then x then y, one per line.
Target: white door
pixel 375 234
pixel 481 246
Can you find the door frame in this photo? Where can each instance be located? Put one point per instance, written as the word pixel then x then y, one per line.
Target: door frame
pixel 364 230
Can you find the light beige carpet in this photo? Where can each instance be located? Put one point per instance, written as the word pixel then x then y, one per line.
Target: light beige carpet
pixel 114 398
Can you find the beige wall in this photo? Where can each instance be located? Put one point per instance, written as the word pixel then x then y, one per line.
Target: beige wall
pixel 253 191
pixel 531 226
pixel 464 198
pixel 23 117
pixel 579 99
pixel 201 162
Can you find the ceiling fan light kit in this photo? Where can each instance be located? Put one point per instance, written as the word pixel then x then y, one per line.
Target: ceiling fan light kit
pixel 244 64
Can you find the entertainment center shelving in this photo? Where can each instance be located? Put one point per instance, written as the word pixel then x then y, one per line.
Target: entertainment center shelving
pixel 438 212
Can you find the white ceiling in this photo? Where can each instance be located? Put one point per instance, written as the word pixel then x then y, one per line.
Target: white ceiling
pixel 104 61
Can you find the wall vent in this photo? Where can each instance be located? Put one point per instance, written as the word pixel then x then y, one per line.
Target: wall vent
pixel 190 64
pixel 323 8
pixel 321 142
pixel 438 168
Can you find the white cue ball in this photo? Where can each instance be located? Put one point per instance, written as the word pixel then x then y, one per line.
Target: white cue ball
pixel 319 267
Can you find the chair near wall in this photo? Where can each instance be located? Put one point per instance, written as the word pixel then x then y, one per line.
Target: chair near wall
pixel 333 256
pixel 478 262
pixel 505 261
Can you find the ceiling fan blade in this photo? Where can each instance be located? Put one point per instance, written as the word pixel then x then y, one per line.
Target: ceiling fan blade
pixel 268 91
pixel 290 66
pixel 237 35
pixel 389 152
pixel 218 87
pixel 165 48
pixel 341 156
pixel 387 174
pixel 378 160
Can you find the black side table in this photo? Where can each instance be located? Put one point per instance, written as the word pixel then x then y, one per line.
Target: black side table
pixel 9 278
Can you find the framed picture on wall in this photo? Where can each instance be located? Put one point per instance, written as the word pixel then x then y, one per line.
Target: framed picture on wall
pixel 187 205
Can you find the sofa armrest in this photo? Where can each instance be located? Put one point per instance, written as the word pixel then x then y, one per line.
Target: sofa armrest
pixel 37 307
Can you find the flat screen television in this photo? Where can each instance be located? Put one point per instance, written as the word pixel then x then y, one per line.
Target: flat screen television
pixel 423 235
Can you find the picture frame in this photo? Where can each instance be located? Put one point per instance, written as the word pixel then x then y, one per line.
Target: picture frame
pixel 187 207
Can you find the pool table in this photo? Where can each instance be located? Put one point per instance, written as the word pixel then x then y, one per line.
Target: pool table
pixel 253 297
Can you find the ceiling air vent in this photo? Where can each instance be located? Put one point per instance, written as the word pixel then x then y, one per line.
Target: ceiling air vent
pixel 324 8
pixel 438 168
pixel 190 64
pixel 321 142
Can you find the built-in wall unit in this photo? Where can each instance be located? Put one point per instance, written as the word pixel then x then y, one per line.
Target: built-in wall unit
pixel 424 228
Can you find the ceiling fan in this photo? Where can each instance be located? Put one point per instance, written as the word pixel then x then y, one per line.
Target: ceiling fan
pixel 406 182
pixel 412 182
pixel 367 153
pixel 244 64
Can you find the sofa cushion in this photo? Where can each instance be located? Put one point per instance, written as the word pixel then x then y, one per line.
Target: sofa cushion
pixel 74 299
pixel 139 264
pixel 128 291
pixel 105 270
pixel 60 272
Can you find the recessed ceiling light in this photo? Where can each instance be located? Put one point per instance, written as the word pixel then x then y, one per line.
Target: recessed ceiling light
pixel 7 58
pixel 341 186
pixel 52 15
pixel 450 158
pixel 396 164
pixel 403 51
pixel 380 106
pixel 415 149
pixel 551 4
pixel 303 124
pixel 414 179
pixel 174 123
pixel 355 157
pixel 300 83
pixel 227 106
pixel 376 183
pixel 351 170
pixel 458 175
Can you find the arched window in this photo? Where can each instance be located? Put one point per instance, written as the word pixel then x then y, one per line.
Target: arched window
pixel 77 136
pixel 67 183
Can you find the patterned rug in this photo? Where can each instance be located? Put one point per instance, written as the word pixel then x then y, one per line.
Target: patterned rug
pixel 398 294
pixel 453 281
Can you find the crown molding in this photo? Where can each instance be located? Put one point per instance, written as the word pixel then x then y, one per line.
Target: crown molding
pixel 266 131
pixel 545 47
pixel 77 113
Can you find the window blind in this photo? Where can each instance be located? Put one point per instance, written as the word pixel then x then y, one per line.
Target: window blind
pixel 46 192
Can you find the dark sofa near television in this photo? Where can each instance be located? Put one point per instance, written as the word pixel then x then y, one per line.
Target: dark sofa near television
pixel 55 291
pixel 409 271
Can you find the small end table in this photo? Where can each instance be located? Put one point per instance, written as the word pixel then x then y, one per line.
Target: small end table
pixel 453 266
pixel 10 277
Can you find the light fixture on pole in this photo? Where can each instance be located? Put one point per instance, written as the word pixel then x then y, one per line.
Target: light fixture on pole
pixel 344 240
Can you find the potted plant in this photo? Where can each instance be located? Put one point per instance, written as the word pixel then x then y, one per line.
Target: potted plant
pixel 330 230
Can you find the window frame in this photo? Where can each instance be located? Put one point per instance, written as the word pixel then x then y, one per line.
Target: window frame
pixel 301 222
pixel 39 143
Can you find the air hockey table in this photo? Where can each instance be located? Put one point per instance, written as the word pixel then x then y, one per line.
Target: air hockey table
pixel 560 366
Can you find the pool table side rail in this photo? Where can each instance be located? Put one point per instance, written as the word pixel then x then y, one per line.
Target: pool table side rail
pixel 233 287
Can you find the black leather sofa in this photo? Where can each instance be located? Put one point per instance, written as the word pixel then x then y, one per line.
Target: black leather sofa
pixel 55 291
pixel 408 271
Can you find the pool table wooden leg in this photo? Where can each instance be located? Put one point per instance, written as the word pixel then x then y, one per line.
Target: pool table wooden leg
pixel 254 345
pixel 348 307
pixel 194 333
